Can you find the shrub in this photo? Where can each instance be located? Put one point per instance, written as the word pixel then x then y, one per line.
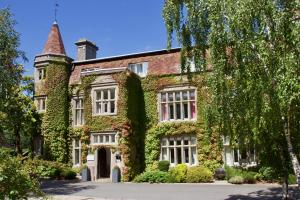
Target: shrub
pixel 199 174
pixel 249 177
pixel 15 181
pixel 68 174
pixel 220 174
pixel 231 172
pixel 163 165
pixel 178 173
pixel 292 179
pixel 236 180
pixel 268 174
pixel 153 177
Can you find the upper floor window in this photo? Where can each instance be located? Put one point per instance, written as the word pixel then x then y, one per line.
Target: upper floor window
pixel 41 73
pixel 104 101
pixel 179 149
pixel 140 69
pixel 178 105
pixel 41 104
pixel 79 112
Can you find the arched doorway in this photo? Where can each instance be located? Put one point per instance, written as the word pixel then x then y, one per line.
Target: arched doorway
pixel 103 163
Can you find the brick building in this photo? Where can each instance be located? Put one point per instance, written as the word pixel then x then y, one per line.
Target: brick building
pixel 126 112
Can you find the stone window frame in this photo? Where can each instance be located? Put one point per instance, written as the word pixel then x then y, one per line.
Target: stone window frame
pixel 76 148
pixel 181 101
pixel 94 101
pixel 134 68
pixel 41 73
pixel 74 104
pixel 38 104
pixel 112 137
pixel 167 146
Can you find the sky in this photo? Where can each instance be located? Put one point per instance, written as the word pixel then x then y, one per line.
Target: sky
pixel 116 26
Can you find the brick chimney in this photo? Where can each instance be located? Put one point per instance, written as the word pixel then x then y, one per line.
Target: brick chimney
pixel 86 50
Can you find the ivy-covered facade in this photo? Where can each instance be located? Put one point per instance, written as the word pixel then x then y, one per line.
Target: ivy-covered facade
pixel 124 112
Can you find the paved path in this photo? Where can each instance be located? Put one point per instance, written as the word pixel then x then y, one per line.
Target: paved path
pixel 64 190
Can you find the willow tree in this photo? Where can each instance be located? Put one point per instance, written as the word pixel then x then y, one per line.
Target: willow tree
pixel 253 47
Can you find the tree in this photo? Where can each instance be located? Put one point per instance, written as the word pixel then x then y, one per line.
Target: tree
pixel 255 82
pixel 17 113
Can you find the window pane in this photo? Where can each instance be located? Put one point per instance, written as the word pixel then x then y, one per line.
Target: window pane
pixel 164 154
pixel 98 108
pixel 112 107
pixel 164 142
pixel 113 138
pixel 186 141
pixel 95 138
pixel 170 96
pixel 193 110
pixel 177 96
pixel 163 97
pixel 98 95
pixel 194 156
pixel 101 139
pixel 236 155
pixel 171 142
pixel 164 114
pixel 76 143
pixel 186 155
pixel 178 151
pixel 178 111
pixel 107 138
pixel 172 155
pixel 193 140
pixel 112 93
pixel 77 117
pixel 178 141
pixel 139 68
pixel 105 104
pixel 185 111
pixel 184 95
pixel 171 111
pixel 77 156
pixel 105 94
pixel 192 95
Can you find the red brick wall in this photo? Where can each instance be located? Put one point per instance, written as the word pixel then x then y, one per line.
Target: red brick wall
pixel 164 63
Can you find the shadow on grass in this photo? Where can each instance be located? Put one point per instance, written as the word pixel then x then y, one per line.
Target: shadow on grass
pixel 268 194
pixel 61 187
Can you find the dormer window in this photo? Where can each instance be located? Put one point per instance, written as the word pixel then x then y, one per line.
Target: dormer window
pixel 140 69
pixel 41 73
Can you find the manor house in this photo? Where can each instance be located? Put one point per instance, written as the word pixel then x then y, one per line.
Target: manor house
pixel 125 111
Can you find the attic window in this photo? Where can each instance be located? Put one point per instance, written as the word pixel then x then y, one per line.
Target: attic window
pixel 140 69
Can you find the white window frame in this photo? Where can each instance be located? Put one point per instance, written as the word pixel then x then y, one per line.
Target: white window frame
pixel 166 144
pixel 144 68
pixel 80 109
pixel 173 91
pixel 79 152
pixel 39 106
pixel 41 73
pixel 95 101
pixel 106 138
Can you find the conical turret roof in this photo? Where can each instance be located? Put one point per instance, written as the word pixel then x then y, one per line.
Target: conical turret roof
pixel 54 44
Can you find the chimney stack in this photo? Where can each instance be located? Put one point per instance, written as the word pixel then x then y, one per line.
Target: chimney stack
pixel 86 50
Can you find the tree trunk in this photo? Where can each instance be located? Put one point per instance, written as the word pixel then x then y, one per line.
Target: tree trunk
pixel 293 156
pixel 18 141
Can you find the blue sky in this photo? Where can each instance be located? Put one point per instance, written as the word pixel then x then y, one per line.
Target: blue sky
pixel 116 26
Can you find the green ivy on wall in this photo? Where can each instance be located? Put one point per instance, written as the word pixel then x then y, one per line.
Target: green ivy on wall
pixel 208 144
pixel 55 125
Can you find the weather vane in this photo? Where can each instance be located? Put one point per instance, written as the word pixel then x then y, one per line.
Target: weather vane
pixel 55 10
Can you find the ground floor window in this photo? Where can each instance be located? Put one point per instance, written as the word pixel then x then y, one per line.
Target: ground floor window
pixel 179 149
pixel 76 152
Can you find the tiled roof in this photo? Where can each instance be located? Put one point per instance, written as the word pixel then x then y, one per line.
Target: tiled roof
pixel 54 43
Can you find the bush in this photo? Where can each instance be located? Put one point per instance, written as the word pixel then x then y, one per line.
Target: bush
pixel 163 165
pixel 292 179
pixel 153 177
pixel 220 174
pixel 68 174
pixel 178 173
pixel 236 180
pixel 15 181
pixel 268 174
pixel 249 177
pixel 198 175
pixel 231 172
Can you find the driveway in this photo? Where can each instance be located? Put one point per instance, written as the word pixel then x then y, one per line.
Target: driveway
pixel 68 190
